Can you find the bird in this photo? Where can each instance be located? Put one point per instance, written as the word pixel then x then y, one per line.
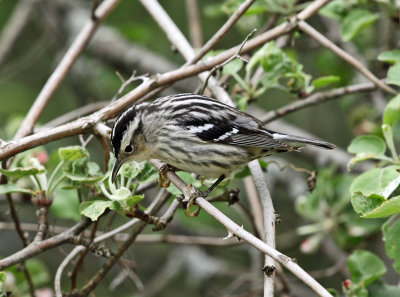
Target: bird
pixel 197 134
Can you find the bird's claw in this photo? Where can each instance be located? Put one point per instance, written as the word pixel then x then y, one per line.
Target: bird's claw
pixel 193 193
pixel 163 181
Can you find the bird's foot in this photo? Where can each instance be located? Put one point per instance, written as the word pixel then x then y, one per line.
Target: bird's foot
pixel 163 181
pixel 193 193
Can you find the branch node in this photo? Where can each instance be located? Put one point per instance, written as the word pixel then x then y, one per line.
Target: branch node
pixel 269 270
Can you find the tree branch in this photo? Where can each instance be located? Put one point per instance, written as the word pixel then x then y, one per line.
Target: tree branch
pixel 221 31
pixel 315 99
pixel 269 219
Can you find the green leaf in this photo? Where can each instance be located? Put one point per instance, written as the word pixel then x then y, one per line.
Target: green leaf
pixel 94 208
pixel 366 156
pixel 375 206
pixel 120 194
pixel 83 179
pixel 75 159
pixel 365 204
pixel 334 9
pixel 147 174
pixel 365 267
pixel 72 153
pixel 355 21
pixel 391 235
pixel 388 134
pixel 232 67
pixel 370 144
pixel 135 199
pixel 3 276
pixel 22 171
pixel 325 80
pixel 392 112
pixel 393 76
pixel 12 188
pixel 380 181
pixel 386 209
pixel 333 292
pixel 391 57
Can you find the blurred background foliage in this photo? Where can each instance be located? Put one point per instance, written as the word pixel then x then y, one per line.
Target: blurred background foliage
pixel 319 227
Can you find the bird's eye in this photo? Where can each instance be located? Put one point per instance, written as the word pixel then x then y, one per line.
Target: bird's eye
pixel 128 149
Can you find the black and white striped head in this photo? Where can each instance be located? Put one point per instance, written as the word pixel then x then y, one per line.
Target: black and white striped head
pixel 127 138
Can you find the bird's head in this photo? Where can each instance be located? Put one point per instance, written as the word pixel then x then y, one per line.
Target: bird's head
pixel 127 139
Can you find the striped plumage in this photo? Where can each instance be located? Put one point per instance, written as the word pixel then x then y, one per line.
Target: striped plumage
pixel 196 134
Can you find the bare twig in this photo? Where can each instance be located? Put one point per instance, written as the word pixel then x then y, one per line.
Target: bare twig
pixel 72 115
pixel 222 31
pixel 168 215
pixel 193 16
pixel 317 98
pixel 79 262
pixel 43 225
pixel 255 205
pixel 219 66
pixel 62 69
pixel 141 239
pixel 269 219
pixel 345 56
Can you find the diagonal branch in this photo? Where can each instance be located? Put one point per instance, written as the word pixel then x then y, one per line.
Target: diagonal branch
pixel 316 98
pixel 222 31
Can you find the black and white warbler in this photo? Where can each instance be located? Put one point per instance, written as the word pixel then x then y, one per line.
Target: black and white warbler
pixel 197 134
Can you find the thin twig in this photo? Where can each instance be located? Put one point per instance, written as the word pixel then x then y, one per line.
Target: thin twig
pixel 141 239
pixel 72 115
pixel 193 18
pixel 79 263
pixel 221 31
pixel 235 56
pixel 43 225
pixel 306 28
pixel 269 219
pixel 317 98
pixel 255 205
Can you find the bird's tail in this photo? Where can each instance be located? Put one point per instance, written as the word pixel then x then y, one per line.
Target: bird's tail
pixel 297 141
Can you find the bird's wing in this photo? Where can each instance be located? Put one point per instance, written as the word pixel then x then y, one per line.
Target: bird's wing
pixel 228 131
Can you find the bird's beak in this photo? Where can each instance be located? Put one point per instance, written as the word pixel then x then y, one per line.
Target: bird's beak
pixel 116 168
